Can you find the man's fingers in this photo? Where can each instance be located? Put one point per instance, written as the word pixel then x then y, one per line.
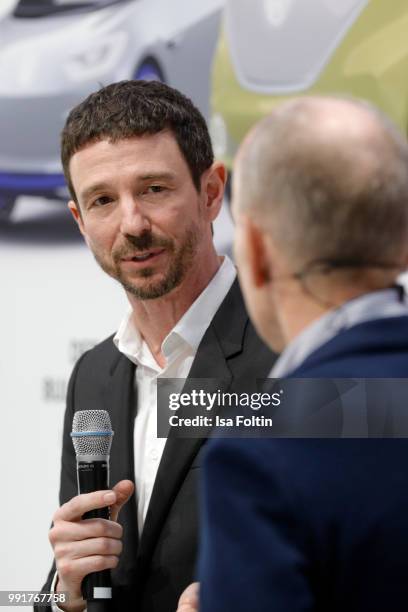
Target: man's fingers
pixel 189 601
pixel 123 491
pixel 63 531
pixel 76 569
pixel 76 507
pixel 88 548
pixel 190 594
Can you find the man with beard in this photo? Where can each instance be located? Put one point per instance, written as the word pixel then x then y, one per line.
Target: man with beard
pixel 145 190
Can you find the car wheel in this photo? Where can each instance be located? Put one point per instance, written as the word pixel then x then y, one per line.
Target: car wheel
pixel 6 206
pixel 149 70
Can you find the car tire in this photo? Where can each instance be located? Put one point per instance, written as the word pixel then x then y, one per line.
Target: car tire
pixel 6 207
pixel 149 70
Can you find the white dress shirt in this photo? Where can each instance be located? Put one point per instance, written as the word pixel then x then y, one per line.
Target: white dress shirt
pixel 179 348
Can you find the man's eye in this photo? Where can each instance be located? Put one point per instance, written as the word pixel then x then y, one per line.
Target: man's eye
pixel 153 193
pixel 155 189
pixel 102 201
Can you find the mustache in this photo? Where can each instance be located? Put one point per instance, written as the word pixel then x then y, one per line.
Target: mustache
pixel 145 241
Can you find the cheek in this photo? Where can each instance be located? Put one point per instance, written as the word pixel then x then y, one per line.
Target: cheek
pixel 243 272
pixel 186 209
pixel 99 238
pixel 100 230
pixel 239 250
pixel 167 220
pixel 244 269
pixel 246 286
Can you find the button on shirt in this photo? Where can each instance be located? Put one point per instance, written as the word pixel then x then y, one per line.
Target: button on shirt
pixel 179 349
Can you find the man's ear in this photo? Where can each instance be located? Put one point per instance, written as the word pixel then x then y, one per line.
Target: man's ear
pixel 213 186
pixel 76 213
pixel 257 251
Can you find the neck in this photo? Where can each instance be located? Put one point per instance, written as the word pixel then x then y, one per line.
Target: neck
pixel 156 318
pixel 301 310
pixel 297 317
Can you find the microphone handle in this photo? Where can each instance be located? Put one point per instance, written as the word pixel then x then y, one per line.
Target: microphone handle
pixel 93 475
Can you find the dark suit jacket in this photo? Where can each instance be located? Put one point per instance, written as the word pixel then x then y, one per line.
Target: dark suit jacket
pixel 312 525
pixel 153 573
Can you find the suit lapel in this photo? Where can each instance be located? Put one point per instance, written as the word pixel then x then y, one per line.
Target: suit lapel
pixel 222 340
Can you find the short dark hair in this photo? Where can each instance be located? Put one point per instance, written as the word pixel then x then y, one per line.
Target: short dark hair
pixel 134 108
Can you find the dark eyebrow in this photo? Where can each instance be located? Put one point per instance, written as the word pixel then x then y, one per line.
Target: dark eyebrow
pixel 156 176
pixel 93 189
pixel 87 193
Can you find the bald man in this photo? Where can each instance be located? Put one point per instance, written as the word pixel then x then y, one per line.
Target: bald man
pixel 321 207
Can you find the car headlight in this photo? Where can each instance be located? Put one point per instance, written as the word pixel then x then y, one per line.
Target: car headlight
pixel 97 59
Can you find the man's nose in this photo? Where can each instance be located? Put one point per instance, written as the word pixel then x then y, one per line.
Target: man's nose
pixel 134 218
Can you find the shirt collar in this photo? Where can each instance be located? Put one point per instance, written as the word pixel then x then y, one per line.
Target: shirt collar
pixel 375 305
pixel 188 331
pixel 128 339
pixel 195 321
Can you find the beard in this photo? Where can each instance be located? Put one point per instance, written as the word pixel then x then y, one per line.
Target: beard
pixel 181 260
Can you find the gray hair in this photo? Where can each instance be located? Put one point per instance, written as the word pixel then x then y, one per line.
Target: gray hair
pixel 328 177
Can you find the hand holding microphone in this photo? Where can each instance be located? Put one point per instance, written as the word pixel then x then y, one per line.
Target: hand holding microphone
pixel 82 546
pixel 84 540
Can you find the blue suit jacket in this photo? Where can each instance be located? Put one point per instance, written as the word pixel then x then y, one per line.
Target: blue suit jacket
pixel 294 525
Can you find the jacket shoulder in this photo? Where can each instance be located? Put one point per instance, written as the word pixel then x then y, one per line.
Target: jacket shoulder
pixel 96 366
pixel 377 348
pixel 102 355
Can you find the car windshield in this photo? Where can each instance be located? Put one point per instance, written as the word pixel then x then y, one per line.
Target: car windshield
pixel 42 8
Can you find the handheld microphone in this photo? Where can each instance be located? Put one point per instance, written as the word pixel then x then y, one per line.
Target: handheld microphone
pixel 92 438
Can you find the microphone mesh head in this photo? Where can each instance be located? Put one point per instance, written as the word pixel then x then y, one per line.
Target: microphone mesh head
pixel 92 432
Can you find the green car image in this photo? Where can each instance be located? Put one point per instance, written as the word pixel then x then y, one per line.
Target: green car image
pixel 271 50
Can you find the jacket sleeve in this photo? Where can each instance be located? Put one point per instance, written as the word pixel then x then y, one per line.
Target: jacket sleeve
pixel 253 551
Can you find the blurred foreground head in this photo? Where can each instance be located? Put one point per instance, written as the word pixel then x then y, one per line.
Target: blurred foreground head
pixel 320 198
